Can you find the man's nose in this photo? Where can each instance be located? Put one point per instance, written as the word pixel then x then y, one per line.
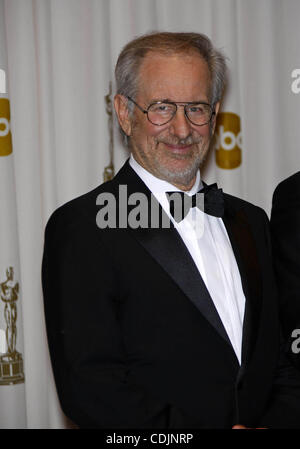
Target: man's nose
pixel 180 125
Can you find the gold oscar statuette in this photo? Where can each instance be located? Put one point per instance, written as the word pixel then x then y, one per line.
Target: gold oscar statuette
pixel 11 363
pixel 109 171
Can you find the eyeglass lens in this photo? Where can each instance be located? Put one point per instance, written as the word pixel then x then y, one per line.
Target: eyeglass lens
pixel 161 113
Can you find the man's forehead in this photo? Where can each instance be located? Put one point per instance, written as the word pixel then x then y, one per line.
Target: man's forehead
pixel 165 73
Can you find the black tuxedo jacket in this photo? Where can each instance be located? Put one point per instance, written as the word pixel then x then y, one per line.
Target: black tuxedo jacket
pixel 134 337
pixel 285 227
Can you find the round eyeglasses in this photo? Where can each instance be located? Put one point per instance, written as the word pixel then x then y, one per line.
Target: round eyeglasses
pixel 162 112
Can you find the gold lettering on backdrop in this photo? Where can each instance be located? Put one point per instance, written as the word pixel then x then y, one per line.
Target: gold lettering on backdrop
pixel 5 134
pixel 109 170
pixel 11 363
pixel 228 140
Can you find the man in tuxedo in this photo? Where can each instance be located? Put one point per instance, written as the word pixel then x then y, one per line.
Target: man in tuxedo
pixel 158 326
pixel 285 231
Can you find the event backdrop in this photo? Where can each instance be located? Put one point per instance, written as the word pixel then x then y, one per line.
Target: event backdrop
pixel 12 392
pixel 58 139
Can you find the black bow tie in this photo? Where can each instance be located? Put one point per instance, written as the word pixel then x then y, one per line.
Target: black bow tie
pixel 209 199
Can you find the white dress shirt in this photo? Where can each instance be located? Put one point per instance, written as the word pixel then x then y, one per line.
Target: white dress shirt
pixel 208 243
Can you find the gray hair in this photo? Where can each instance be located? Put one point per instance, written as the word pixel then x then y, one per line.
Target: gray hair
pixel 132 55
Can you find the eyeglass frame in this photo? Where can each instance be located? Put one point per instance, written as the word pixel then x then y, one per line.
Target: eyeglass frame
pixel 180 103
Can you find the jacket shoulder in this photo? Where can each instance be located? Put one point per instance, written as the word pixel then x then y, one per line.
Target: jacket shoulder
pixel 288 187
pixel 240 204
pixel 78 210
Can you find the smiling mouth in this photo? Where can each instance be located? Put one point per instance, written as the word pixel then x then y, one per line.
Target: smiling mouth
pixel 178 147
pixel 179 150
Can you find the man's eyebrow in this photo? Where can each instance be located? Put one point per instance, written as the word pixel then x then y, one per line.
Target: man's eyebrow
pixel 168 100
pixel 163 100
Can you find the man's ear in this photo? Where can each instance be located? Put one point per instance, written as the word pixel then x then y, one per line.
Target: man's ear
pixel 122 112
pixel 217 107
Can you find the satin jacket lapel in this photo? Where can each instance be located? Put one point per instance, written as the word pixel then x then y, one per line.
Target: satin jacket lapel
pixel 167 248
pixel 243 245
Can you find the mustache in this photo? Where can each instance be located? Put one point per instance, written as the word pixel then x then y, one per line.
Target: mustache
pixel 189 140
